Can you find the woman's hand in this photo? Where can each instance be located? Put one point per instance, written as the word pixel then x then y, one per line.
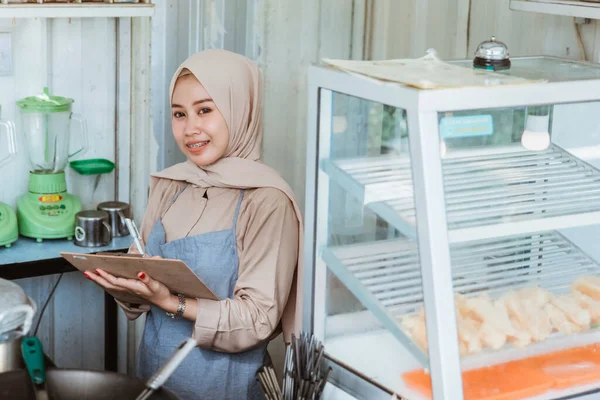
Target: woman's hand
pixel 146 287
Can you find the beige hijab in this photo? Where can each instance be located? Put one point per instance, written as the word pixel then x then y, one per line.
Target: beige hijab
pixel 234 83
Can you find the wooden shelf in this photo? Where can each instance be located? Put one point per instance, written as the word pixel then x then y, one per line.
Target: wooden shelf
pixel 571 8
pixel 89 10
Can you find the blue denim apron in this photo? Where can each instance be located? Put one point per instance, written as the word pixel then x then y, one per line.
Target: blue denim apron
pixel 204 374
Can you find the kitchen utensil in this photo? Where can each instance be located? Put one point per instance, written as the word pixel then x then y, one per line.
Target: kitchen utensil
pixel 92 228
pixel 492 55
pixel 47 211
pixel 118 212
pixel 33 355
pixel 93 166
pixel 9 230
pixel 303 375
pixel 161 376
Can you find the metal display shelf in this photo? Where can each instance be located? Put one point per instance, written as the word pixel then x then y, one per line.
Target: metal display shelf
pixel 386 277
pixel 487 196
pixel 75 10
pixel 571 8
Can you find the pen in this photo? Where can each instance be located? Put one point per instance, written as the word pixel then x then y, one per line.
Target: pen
pixel 137 239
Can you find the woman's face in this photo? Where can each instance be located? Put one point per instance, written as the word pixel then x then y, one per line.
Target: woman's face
pixel 198 126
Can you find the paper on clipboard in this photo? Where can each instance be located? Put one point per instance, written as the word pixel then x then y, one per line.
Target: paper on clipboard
pixel 175 274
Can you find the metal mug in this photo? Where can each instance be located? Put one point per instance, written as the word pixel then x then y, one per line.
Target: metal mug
pixel 92 228
pixel 117 212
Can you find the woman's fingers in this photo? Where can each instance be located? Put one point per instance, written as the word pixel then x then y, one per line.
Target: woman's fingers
pixel 152 284
pixel 101 281
pixel 111 278
pixel 124 284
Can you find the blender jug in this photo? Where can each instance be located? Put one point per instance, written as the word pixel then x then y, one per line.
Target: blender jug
pixel 47 211
pixel 46 122
pixel 9 231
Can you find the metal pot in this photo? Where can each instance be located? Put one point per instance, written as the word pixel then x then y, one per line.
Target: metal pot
pixel 68 384
pixel 117 212
pixel 10 353
pixel 16 316
pixel 92 229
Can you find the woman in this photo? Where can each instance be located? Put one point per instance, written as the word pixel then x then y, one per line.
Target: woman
pixel 233 221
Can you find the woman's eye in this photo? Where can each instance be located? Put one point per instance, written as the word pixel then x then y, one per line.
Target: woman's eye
pixel 178 114
pixel 204 110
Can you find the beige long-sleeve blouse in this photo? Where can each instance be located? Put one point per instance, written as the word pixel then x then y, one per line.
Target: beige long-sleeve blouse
pixel 267 243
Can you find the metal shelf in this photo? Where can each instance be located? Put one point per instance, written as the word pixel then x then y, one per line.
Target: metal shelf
pixel 386 277
pixel 70 10
pixel 572 8
pixel 487 196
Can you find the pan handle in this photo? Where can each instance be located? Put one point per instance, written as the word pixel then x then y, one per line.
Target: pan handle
pixel 108 230
pixel 161 376
pixel 122 224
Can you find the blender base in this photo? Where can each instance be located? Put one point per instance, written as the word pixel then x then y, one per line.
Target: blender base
pixel 9 230
pixel 47 216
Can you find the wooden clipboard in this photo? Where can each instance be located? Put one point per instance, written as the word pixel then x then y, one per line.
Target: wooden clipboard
pixel 175 274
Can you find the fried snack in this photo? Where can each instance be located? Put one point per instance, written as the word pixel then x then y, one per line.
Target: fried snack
pixel 521 337
pixel 572 310
pixel 535 297
pixel 482 309
pixel 588 285
pixel 533 319
pixel 560 321
pixel 591 305
pixel 469 334
pixel 492 337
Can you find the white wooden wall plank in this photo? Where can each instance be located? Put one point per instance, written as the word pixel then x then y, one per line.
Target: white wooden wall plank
pixel 401 29
pixel 234 24
pixel 379 42
pixel 523 33
pixel 359 15
pixel 84 68
pixel 594 54
pixel 66 80
pixel 126 330
pixel 143 159
pixel 123 109
pixel 38 290
pixel 30 71
pixel 335 31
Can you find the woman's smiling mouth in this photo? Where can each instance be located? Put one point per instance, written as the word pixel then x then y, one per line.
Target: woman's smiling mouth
pixel 196 146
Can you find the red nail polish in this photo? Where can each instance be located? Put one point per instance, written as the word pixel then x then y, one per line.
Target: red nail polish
pixel 142 275
pixel 97 271
pixel 86 275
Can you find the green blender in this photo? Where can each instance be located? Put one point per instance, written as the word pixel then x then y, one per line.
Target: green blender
pixel 9 230
pixel 47 211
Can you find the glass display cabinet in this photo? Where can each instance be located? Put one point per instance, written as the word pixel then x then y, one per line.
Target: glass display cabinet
pixel 452 235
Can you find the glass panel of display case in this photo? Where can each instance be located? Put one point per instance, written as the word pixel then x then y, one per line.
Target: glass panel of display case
pixel 373 273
